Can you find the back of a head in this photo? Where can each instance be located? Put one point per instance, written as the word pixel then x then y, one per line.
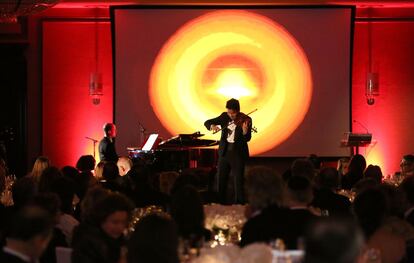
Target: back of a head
pixel 124 165
pixel 48 177
pixel 110 171
pixel 370 208
pixel 88 203
pixel 264 187
pixel 109 204
pixel 315 160
pixel 357 164
pixel 140 175
pixel 374 172
pixel 333 241
pixel 41 163
pixel 328 178
pixel 70 172
pixel 29 222
pixel 23 191
pixel 300 190
pixel 65 188
pixel 167 180
pixel 187 210
pixel 50 202
pixel 233 104
pixel 185 179
pixel 99 170
pixel 86 163
pixel 154 240
pixel 303 167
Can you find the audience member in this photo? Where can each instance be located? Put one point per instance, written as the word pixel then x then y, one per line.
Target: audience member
pixel 273 221
pixel 92 197
pixel 65 189
pixel 144 193
pixel 124 165
pixel 39 166
pixel 355 171
pixel 86 163
pixel 374 172
pixel 333 241
pixel 48 177
pixel 154 240
pixel 167 180
pixel 407 165
pixel 264 188
pixel 29 234
pixel 110 177
pixel 50 202
pixel 188 212
pixel 342 166
pixel 325 196
pixel 371 209
pixel 100 237
pixel 99 170
pixel 303 167
pixel 407 189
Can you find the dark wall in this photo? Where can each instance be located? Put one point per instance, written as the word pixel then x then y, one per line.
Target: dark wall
pixel 13 83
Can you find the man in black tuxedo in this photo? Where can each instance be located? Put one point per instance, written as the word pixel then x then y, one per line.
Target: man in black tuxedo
pixel 29 234
pixel 233 150
pixel 107 150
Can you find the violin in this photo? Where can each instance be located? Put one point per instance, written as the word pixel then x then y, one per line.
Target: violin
pixel 240 119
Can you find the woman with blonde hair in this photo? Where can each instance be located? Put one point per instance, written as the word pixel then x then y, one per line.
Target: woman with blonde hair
pixel 39 166
pixel 99 170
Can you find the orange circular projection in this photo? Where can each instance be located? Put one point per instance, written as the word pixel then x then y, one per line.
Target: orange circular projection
pixel 232 54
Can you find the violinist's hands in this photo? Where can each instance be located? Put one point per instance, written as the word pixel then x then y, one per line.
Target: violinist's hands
pixel 245 127
pixel 214 128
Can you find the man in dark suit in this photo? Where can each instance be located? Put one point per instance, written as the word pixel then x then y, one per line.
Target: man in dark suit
pixel 107 150
pixel 407 190
pixel 325 197
pixel 28 236
pixel 233 150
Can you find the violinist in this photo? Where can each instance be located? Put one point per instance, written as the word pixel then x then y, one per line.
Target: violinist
pixel 233 151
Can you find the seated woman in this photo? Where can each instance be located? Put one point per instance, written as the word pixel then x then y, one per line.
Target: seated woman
pixel 154 240
pixel 99 238
pixel 188 212
pixel 371 209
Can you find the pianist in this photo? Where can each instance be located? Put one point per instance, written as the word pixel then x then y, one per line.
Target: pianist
pixel 107 150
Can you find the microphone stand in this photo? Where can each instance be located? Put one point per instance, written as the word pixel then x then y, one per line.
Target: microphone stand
pixel 94 145
pixel 142 132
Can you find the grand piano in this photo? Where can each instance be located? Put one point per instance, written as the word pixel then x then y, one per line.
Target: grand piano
pixel 177 153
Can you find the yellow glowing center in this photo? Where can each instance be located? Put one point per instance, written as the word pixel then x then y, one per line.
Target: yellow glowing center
pixel 234 83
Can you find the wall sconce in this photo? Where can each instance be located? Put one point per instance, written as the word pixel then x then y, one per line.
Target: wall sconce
pixel 96 87
pixel 95 81
pixel 372 87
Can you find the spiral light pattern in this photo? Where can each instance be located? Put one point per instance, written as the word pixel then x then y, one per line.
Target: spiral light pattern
pixel 232 54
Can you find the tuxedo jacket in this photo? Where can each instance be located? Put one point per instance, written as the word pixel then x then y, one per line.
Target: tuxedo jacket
pixel 240 140
pixel 277 222
pixel 107 150
pixel 8 258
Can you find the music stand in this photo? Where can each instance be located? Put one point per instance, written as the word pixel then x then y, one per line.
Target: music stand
pixel 356 140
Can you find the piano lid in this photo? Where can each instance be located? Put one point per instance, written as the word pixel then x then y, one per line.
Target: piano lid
pixel 186 141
